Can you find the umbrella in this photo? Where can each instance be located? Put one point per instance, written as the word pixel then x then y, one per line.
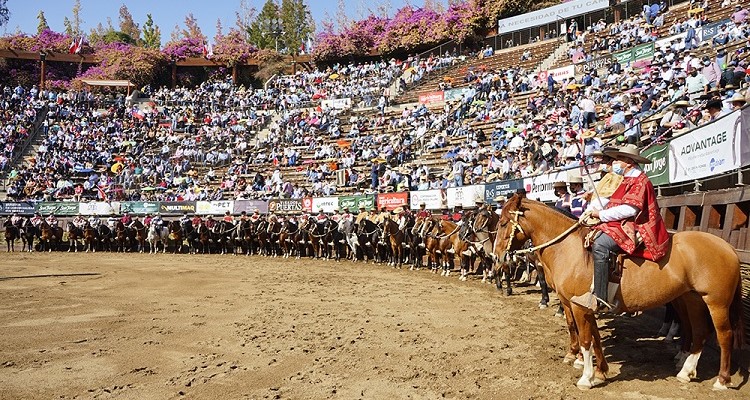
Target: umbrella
pixel 148 189
pixel 379 160
pixel 334 76
pixel 635 90
pixel 410 69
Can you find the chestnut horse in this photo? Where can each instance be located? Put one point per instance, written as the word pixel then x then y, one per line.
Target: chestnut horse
pixel 395 236
pixel 700 271
pixel 89 238
pixel 74 235
pixel 49 237
pixel 11 235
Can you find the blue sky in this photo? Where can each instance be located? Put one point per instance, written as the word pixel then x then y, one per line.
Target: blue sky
pixel 167 13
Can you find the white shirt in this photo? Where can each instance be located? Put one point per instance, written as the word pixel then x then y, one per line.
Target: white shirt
pixel 623 211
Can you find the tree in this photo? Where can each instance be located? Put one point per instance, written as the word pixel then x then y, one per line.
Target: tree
pixel 127 25
pixel 260 29
pixel 68 26
pixel 43 25
pixel 298 24
pixel 176 33
pixel 245 16
pixel 192 29
pixel 4 12
pixel 219 30
pixel 151 34
pixel 342 20
pixel 76 21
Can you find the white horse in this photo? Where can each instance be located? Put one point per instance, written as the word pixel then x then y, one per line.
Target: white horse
pixel 157 234
pixel 346 227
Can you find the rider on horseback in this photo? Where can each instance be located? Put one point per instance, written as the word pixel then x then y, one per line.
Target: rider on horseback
pixel 79 222
pixel 631 217
pixel 133 222
pixel 197 221
pixel 256 216
pixel 37 220
pixel 423 211
pixel 94 221
pixel 157 221
pixel 16 220
pixel 228 218
pixel 126 219
pixel 185 219
pixel 403 216
pixel 51 220
pixel 347 214
pixel 210 222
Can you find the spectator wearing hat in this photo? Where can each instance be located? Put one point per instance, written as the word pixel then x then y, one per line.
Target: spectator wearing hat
pixel 632 128
pixel 578 202
pixel 563 197
pixel 675 118
pixel 696 84
pixel 737 101
pixel 714 109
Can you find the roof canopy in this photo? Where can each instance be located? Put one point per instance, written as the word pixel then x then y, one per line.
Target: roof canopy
pixel 107 82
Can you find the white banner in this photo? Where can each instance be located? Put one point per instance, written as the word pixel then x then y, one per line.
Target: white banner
pixel 550 14
pixel 433 199
pixel 99 208
pixel 559 74
pixel 540 187
pixel 706 151
pixel 339 104
pixel 327 204
pixel 214 207
pixel 464 196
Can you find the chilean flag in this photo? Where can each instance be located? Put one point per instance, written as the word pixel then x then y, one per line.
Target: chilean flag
pixel 208 50
pixel 75 47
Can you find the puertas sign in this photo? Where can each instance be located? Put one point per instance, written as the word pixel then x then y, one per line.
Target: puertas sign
pixel 709 150
pixel 658 170
pixel 285 206
pixel 550 14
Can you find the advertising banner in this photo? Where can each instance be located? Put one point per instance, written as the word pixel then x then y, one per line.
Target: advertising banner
pixel 559 74
pixel 464 196
pixel 355 202
pixel 643 52
pixel 285 206
pixel 455 94
pixel 706 151
pixel 307 204
pixel 177 207
pixel 431 97
pixel 338 104
pixel 392 201
pixel 596 64
pixel 57 208
pixel 326 204
pixel 214 207
pixel 433 199
pixel 550 15
pixel 540 187
pixel 503 188
pixel 99 208
pixel 249 206
pixel 708 31
pixel 139 207
pixel 658 170
pixel 22 208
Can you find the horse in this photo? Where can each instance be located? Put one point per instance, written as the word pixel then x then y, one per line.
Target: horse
pixel 431 242
pixel 221 235
pixel 157 234
pixel 273 229
pixel 28 233
pixel 204 239
pixel 74 234
pixel 417 243
pixel 286 238
pixel 89 238
pixel 449 245
pixel 368 235
pixel 303 238
pixel 316 233
pixel 477 232
pixel 12 234
pixel 49 237
pixel 121 237
pixel 104 235
pixel 345 238
pixel 699 272
pixel 393 235
pixel 176 234
pixel 243 237
pixel 139 235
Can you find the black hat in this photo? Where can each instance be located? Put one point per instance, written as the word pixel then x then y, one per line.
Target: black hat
pixel 714 104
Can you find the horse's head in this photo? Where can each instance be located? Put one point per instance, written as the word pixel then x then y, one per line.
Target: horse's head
pixel 512 232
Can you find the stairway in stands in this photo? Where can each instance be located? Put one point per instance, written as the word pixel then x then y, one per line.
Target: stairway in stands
pixel 28 148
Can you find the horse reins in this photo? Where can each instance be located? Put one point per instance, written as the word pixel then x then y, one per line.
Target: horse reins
pixel 517 227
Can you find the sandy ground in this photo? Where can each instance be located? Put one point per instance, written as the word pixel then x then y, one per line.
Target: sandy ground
pixel 222 327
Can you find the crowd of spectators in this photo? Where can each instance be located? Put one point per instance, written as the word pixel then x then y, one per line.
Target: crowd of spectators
pixel 18 112
pixel 202 144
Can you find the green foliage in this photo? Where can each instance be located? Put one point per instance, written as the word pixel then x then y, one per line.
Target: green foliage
pixel 260 29
pixel 298 24
pixel 43 25
pixel 151 34
pixel 117 37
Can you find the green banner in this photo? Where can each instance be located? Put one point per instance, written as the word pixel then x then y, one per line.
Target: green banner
pixel 643 52
pixel 57 208
pixel 355 202
pixel 139 207
pixel 623 57
pixel 658 170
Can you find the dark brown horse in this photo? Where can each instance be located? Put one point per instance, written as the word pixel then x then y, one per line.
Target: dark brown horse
pixel 49 236
pixel 122 237
pixel 74 235
pixel 700 271
pixel 286 238
pixel 11 234
pixel 90 238
pixel 176 236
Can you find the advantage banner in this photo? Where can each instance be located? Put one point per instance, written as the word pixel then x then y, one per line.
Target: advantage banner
pixel 464 196
pixel 433 199
pixel 706 151
pixel 285 206
pixel 139 207
pixel 326 204
pixel 214 207
pixel 249 206
pixel 392 201
pixel 658 170
pixel 494 189
pixel 355 202
pixel 57 208
pixel 431 97
pixel 99 208
pixel 22 208
pixel 177 207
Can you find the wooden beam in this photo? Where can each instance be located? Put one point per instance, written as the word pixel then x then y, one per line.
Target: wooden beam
pixel 51 56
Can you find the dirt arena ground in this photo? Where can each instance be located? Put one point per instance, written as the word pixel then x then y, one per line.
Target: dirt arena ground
pixel 222 327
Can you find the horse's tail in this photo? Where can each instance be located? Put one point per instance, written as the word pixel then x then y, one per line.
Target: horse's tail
pixel 735 317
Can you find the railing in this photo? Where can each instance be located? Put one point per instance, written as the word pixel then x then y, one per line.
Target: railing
pixel 41 115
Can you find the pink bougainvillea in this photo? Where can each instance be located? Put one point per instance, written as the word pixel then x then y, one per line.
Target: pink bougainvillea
pixel 232 49
pixel 184 48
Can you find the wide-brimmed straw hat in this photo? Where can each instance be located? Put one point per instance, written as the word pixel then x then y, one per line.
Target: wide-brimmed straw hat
pixel 738 97
pixel 559 184
pixel 629 151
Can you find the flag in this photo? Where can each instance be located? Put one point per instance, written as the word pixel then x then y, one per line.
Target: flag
pixel 79 46
pixel 210 50
pixel 100 192
pixel 75 47
pixel 205 50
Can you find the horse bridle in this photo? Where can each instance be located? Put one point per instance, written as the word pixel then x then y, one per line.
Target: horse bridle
pixel 516 227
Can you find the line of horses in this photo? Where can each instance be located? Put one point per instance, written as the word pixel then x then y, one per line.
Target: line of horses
pixel 699 276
